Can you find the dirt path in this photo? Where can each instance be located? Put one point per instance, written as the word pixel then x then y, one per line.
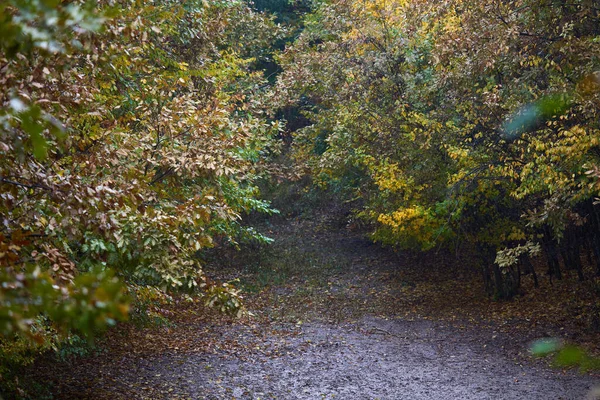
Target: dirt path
pixel 375 359
pixel 335 318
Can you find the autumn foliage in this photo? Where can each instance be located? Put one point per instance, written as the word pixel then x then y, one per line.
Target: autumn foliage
pixel 457 124
pixel 131 134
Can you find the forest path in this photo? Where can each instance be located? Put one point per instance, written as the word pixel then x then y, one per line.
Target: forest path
pixel 335 317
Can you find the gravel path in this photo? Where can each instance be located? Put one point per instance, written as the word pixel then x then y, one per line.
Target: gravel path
pixel 373 359
pixel 345 352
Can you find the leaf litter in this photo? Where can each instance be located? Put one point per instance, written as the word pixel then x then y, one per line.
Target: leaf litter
pixel 337 317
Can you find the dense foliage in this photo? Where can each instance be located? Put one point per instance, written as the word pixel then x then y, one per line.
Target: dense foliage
pixel 131 134
pixel 456 122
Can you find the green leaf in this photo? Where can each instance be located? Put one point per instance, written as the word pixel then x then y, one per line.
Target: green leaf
pixel 31 124
pixel 570 356
pixel 546 346
pixel 531 116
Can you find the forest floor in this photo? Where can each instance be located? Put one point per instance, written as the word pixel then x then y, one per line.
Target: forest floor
pixel 337 317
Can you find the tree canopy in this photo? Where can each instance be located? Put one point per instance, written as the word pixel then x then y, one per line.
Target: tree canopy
pixel 455 122
pixel 134 134
pixel 131 135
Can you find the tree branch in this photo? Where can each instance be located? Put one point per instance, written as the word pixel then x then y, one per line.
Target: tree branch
pixel 25 185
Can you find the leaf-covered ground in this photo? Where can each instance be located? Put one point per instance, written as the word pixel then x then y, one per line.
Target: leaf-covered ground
pixel 338 317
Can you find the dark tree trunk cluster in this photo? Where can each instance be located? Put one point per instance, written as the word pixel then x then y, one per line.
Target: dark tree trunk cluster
pixel 576 252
